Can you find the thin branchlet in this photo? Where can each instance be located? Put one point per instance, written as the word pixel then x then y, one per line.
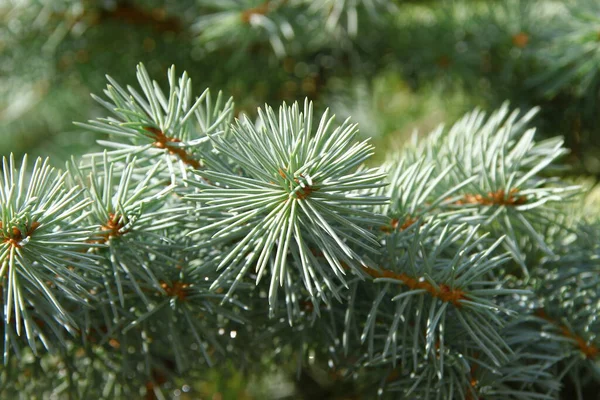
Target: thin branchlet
pixel 261 9
pixel 15 236
pixel 112 228
pixel 395 224
pixel 264 8
pixel 589 349
pixel 282 195
pixel 442 292
pixel 176 289
pixel 497 198
pixel 162 141
pixel 302 190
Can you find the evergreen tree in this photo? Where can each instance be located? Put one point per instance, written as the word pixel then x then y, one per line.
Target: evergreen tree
pixel 198 238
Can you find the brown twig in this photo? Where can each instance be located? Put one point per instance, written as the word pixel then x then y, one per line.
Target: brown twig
pixel 15 237
pixel 520 40
pixel 112 228
pixel 162 141
pixel 473 382
pixel 305 191
pixel 130 14
pixel 176 289
pixel 442 292
pixel 589 350
pixel 261 9
pixel 497 198
pixel 408 221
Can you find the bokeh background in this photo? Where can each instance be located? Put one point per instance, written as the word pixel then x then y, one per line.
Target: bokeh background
pixel 396 67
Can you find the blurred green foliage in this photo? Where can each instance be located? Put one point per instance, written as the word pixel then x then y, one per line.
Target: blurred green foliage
pixel 53 53
pixel 395 67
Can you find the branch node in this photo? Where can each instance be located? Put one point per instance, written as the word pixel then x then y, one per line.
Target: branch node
pixel 497 198
pixel 163 142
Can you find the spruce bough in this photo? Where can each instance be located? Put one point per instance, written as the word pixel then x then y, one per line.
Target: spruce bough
pixel 454 270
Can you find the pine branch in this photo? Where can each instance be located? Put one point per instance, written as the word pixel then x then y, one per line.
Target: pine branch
pixel 44 269
pixel 275 238
pixel 298 188
pixel 169 126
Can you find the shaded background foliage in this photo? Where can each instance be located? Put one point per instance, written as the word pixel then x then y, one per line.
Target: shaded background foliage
pixel 406 64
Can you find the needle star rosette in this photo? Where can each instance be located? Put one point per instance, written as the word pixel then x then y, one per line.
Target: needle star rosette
pixel 43 260
pixel 298 198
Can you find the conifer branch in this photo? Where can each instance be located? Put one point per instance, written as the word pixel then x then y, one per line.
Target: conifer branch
pixel 299 188
pixel 274 235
